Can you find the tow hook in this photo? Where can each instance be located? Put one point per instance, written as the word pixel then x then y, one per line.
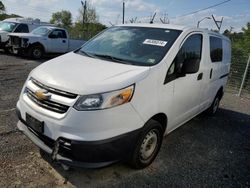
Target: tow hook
pixel 55 149
pixel 55 152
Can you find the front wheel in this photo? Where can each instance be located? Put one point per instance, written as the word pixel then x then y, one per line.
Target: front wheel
pixel 36 52
pixel 148 145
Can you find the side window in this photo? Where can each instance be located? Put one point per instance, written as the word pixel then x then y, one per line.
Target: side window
pixel 216 49
pixel 22 28
pixel 58 34
pixel 64 36
pixel 191 50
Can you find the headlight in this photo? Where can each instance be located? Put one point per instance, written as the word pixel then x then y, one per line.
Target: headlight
pixel 105 100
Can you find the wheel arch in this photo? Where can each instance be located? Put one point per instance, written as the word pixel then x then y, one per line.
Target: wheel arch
pixel 220 92
pixel 37 44
pixel 162 119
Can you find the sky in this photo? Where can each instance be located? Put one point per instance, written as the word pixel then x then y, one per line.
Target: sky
pixel 235 13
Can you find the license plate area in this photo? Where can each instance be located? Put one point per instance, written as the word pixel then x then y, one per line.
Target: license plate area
pixel 34 124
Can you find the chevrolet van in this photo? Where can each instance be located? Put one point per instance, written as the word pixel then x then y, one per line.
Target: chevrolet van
pixel 117 96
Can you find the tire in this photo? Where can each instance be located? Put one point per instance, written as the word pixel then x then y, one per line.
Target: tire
pixel 36 52
pixel 214 106
pixel 148 145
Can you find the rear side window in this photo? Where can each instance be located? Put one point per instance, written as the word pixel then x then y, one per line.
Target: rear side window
pixel 216 49
pixel 22 28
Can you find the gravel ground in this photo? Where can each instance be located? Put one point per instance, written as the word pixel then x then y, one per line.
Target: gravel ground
pixel 205 152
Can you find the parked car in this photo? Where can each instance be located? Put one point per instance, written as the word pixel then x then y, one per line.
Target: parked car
pixel 121 92
pixel 45 39
pixel 17 25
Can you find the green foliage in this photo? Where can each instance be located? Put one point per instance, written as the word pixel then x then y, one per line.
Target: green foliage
pixel 85 31
pixel 89 15
pixel 240 44
pixel 62 19
pixel 5 16
pixel 79 30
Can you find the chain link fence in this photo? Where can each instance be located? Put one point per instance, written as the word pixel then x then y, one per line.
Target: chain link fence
pixel 239 77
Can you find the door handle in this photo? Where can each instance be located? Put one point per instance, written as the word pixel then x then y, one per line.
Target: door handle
pixel 64 41
pixel 211 73
pixel 200 76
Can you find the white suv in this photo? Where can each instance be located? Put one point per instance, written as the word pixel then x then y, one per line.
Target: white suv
pixel 121 92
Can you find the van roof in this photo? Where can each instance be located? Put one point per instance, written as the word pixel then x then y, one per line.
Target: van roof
pixel 176 27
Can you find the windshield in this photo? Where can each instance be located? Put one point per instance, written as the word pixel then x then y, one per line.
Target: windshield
pixel 42 31
pixel 131 45
pixel 7 26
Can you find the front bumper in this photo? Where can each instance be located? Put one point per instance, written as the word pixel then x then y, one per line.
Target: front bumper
pixel 88 154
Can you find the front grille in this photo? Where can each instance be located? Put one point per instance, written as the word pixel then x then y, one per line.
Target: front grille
pixel 47 104
pixel 55 91
pixel 58 102
pixel 15 41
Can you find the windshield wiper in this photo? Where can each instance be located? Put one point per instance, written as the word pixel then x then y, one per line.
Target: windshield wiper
pixel 115 59
pixel 87 53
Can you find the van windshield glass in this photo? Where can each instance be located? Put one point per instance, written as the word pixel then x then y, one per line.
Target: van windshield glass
pixel 7 26
pixel 131 45
pixel 42 31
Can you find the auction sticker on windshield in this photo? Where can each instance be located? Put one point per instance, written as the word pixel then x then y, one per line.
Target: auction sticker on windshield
pixel 155 42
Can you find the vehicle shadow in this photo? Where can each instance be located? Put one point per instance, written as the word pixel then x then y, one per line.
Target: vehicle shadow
pixel 211 151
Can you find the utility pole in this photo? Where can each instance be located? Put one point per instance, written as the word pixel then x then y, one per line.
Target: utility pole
pixel 123 12
pixel 217 23
pixel 84 5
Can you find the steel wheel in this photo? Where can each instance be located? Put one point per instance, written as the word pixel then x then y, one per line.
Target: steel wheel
pixel 216 105
pixel 36 52
pixel 148 145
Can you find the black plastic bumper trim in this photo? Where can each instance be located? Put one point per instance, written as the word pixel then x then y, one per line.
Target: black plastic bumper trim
pixel 88 154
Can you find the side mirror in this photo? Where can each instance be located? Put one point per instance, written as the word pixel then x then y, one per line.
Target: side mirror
pixel 190 66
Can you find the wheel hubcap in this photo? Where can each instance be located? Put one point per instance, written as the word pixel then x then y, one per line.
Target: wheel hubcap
pixel 37 53
pixel 148 145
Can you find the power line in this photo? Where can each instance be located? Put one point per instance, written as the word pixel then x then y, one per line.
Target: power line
pixel 212 6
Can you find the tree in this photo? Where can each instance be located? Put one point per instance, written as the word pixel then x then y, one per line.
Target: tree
pixel 246 38
pixel 80 31
pixel 62 19
pixel 89 15
pixel 2 8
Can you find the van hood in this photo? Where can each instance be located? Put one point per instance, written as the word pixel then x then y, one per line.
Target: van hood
pixel 23 35
pixel 83 75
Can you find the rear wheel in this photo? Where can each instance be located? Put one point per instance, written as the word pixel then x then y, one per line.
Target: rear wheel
pixel 215 106
pixel 36 52
pixel 148 145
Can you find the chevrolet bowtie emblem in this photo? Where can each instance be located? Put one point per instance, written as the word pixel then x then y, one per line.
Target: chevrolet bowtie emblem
pixel 42 94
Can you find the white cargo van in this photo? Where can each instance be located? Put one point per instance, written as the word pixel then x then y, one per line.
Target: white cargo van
pixel 121 92
pixel 17 25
